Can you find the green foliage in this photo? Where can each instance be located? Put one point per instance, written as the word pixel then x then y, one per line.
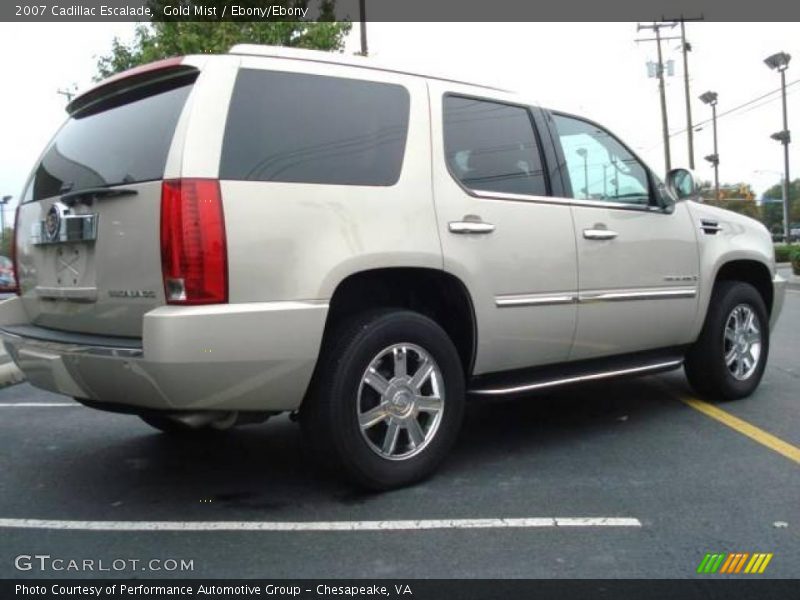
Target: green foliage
pixel 163 39
pixel 783 252
pixel 5 244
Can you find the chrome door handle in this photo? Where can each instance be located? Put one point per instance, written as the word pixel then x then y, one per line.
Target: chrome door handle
pixel 599 234
pixel 470 227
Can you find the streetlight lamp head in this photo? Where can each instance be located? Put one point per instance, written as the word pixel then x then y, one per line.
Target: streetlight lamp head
pixel 581 152
pixel 5 199
pixel 709 98
pixel 783 137
pixel 779 61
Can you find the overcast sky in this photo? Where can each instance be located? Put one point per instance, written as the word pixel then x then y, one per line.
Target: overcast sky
pixel 593 69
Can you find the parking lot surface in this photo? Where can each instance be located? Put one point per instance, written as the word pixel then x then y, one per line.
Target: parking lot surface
pixel 661 482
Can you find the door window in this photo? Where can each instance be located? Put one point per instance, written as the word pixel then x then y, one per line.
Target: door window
pixel 490 146
pixel 599 166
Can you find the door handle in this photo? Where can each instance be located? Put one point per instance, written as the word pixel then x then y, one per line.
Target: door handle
pixel 599 234
pixel 470 227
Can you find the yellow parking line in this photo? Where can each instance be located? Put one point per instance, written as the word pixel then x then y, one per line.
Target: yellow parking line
pixel 754 433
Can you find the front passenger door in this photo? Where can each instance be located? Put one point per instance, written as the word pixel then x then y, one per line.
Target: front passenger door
pixel 637 262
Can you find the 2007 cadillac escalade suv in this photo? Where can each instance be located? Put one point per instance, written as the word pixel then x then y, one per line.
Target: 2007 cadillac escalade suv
pixel 211 240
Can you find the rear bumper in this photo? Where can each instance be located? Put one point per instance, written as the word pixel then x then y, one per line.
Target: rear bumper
pixel 255 356
pixel 778 295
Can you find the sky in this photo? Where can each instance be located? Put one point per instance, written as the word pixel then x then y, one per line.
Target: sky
pixel 593 69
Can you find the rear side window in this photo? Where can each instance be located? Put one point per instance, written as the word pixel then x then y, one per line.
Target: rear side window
pixel 492 147
pixel 126 143
pixel 314 129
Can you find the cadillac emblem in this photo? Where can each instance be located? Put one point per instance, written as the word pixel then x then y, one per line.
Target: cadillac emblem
pixel 52 222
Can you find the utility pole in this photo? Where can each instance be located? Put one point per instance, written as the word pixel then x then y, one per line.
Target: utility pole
pixel 656 27
pixel 686 47
pixel 362 9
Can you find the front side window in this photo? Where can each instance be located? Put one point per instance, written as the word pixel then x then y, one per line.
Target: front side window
pixel 492 147
pixel 300 128
pixel 599 166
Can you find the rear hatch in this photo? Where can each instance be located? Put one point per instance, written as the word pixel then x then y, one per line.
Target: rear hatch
pixel 88 245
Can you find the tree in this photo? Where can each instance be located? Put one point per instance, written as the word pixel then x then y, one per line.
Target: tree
pixel 5 246
pixel 773 211
pixel 162 39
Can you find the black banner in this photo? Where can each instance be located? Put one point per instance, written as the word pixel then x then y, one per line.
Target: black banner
pixel 433 589
pixel 395 11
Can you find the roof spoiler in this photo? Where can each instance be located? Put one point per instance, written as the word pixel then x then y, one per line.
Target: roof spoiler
pixel 123 82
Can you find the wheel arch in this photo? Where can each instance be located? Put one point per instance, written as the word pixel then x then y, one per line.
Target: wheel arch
pixel 433 292
pixel 751 271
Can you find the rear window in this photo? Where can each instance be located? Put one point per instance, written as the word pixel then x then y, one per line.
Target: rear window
pixel 314 129
pixel 126 143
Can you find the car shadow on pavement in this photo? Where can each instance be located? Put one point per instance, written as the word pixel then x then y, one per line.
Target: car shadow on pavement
pixel 126 471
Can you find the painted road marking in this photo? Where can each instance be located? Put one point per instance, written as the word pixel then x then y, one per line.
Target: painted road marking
pixel 535 522
pixel 754 433
pixel 36 404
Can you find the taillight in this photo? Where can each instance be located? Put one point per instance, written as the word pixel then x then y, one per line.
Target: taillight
pixel 14 259
pixel 194 254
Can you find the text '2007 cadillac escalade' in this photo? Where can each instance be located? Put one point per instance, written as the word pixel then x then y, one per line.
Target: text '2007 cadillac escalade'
pixel 212 240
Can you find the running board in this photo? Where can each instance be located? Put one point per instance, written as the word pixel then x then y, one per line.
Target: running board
pixel 531 380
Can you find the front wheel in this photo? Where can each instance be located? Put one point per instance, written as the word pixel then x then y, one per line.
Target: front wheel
pixel 728 359
pixel 387 400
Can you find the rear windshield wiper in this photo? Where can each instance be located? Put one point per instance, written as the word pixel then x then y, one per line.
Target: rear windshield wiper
pixel 87 195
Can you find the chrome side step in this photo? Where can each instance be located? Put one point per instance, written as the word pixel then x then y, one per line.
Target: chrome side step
pixel 521 388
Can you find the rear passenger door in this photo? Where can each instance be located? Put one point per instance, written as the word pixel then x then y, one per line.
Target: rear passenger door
pixel 500 232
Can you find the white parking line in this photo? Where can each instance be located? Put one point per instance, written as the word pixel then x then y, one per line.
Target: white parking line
pixel 536 522
pixel 36 404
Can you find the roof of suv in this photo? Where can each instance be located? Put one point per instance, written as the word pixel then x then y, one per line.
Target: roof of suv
pixel 341 59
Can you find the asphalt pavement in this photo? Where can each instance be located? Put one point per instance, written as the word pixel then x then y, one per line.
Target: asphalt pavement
pixel 684 484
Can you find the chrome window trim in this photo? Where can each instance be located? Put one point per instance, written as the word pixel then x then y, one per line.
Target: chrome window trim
pixel 564 201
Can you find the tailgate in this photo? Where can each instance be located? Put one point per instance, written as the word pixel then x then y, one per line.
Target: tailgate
pixel 88 229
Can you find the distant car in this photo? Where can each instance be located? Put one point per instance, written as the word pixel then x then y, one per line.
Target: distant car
pixel 7 281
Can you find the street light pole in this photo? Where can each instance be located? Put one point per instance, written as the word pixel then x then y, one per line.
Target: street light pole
pixel 711 99
pixel 780 62
pixel 787 227
pixel 716 150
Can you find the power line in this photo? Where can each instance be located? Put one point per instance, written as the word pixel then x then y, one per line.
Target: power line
pixel 735 108
pixel 731 110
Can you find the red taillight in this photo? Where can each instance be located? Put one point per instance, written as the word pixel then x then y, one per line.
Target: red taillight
pixel 194 254
pixel 14 251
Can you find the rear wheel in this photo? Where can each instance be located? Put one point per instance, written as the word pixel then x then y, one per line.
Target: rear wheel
pixel 387 400
pixel 728 359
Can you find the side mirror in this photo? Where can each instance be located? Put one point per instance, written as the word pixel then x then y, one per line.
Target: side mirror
pixel 682 184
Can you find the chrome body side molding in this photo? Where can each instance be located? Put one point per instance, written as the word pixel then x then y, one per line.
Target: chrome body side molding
pixel 660 293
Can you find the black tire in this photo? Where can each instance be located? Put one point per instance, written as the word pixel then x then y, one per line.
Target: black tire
pixel 329 416
pixel 705 364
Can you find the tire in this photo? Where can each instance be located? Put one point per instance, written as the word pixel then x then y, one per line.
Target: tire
pixel 390 450
pixel 708 363
pixel 173 426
